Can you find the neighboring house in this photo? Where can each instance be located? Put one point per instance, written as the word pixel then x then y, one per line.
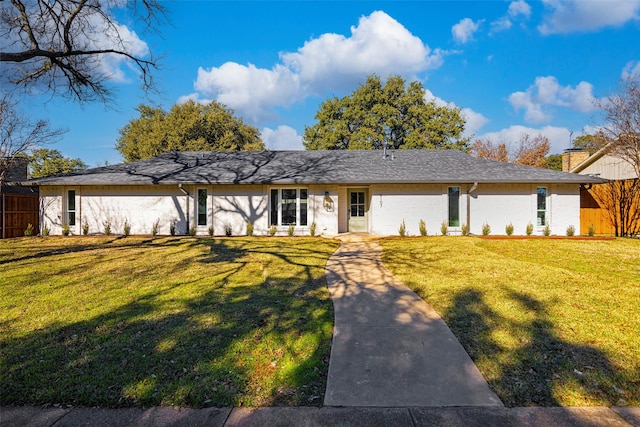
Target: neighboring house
pixel 340 191
pixel 18 204
pixel 604 165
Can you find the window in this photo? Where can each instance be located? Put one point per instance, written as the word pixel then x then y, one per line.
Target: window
pixel 289 206
pixel 454 206
pixel 202 207
pixel 542 206
pixel 357 204
pixel 71 207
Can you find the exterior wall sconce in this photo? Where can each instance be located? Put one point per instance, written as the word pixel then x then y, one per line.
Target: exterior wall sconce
pixel 327 203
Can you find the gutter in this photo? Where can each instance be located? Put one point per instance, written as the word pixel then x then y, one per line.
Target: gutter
pixel 471 190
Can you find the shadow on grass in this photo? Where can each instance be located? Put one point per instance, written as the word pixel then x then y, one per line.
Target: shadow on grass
pixel 543 366
pixel 264 344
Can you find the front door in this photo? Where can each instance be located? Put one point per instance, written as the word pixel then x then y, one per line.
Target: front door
pixel 358 211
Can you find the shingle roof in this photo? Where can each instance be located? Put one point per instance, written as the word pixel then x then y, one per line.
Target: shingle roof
pixel 307 167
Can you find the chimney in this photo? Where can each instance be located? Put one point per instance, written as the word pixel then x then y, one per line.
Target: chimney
pixel 572 157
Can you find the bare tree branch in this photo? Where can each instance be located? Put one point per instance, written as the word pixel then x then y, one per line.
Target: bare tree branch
pixel 73 48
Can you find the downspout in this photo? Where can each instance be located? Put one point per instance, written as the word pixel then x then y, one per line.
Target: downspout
pixel 186 193
pixel 471 190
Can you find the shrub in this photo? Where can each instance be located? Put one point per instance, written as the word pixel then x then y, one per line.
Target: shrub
pixel 210 230
pixel 465 229
pixel 228 230
pixel 29 231
pixel 46 231
pixel 547 230
pixel 272 230
pixel 312 229
pixel 291 230
pixel 107 228
pixel 486 229
pixel 126 228
pixel 529 229
pixel 422 226
pixel 154 228
pixel 172 228
pixel 66 230
pixel 571 231
pixel 509 229
pixel 403 229
pixel 249 228
pixel 444 228
pixel 85 228
pixel 592 230
pixel 192 229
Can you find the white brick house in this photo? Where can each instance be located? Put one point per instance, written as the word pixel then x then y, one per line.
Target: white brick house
pixel 339 191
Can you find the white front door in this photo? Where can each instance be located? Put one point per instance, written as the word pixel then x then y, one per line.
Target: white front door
pixel 358 211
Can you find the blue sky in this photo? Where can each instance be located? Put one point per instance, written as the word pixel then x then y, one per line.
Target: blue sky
pixel 513 67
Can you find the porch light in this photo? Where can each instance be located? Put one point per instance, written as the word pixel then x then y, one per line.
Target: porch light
pixel 328 203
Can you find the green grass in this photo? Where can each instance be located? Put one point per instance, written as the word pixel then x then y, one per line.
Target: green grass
pixel 168 321
pixel 548 322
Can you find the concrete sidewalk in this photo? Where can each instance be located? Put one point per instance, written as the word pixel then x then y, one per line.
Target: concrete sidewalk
pixel 390 348
pixel 27 416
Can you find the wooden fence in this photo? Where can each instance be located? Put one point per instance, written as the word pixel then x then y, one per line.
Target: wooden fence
pixel 17 211
pixel 592 214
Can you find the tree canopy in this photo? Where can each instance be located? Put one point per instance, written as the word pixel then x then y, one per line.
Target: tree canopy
pixel 44 162
pixel 394 113
pixel 70 47
pixel 186 127
pixel 528 151
pixel 590 143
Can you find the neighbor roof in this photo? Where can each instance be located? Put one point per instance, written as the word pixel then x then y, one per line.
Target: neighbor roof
pixel 308 167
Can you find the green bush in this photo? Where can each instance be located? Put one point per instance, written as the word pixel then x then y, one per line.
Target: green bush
pixel 403 229
pixel 66 230
pixel 547 230
pixel 29 231
pixel 592 230
pixel 46 231
pixel 529 229
pixel 465 229
pixel 312 229
pixel 291 230
pixel 444 228
pixel 249 228
pixel 126 228
pixel 210 230
pixel 192 229
pixel 422 226
pixel 486 229
pixel 107 228
pixel 85 228
pixel 272 230
pixel 509 229
pixel 571 231
pixel 228 230
pixel 172 228
pixel 154 228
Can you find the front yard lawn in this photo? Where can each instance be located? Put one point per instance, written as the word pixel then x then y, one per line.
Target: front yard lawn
pixel 548 322
pixel 167 321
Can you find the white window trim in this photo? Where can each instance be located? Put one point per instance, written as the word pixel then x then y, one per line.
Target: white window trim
pixel 446 194
pixel 279 224
pixel 546 206
pixel 197 209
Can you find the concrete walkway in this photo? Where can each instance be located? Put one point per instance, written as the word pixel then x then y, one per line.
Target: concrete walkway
pixel 390 348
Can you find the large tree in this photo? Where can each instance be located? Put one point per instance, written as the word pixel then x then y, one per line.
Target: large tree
pixel 186 127
pixel 394 113
pixel 20 134
pixel 528 151
pixel 45 162
pixel 69 47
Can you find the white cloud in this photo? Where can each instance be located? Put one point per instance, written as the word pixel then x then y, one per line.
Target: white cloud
pixel 631 70
pixel 474 120
pixel 545 92
pixel 567 16
pixel 463 31
pixel 378 45
pixel 501 24
pixel 558 137
pixel 519 7
pixel 282 138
